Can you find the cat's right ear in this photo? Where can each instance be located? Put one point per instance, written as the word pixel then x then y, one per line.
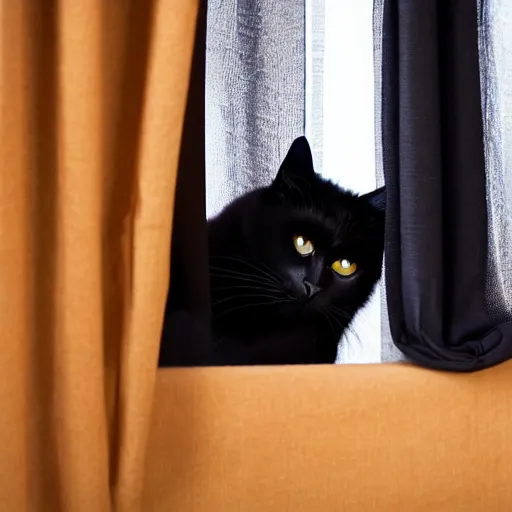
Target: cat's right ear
pixel 376 198
pixel 297 166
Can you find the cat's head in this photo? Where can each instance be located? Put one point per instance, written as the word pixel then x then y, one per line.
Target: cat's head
pixel 303 247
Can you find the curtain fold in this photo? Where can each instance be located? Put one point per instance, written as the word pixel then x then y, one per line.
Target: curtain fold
pixel 92 103
pixel 434 166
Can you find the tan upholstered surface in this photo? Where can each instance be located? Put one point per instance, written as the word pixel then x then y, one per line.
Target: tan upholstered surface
pixel 353 438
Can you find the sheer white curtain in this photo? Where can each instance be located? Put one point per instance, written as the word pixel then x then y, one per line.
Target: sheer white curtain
pixel 495 46
pixel 254 93
pixel 340 124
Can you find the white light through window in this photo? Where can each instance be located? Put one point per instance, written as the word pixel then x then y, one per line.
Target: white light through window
pixel 340 125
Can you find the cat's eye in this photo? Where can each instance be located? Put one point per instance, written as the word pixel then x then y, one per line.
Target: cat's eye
pixel 344 267
pixel 303 245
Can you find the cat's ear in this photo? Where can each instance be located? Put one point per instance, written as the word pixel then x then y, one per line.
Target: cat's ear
pixel 297 166
pixel 376 198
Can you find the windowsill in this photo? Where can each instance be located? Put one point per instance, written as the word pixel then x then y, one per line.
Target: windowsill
pixel 313 438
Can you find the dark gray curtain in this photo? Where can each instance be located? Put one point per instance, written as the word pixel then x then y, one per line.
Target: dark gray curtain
pixel 438 267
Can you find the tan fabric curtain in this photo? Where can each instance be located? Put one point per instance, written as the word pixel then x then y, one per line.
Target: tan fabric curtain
pixel 92 100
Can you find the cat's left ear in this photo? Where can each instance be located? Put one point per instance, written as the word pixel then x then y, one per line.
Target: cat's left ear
pixel 297 166
pixel 376 198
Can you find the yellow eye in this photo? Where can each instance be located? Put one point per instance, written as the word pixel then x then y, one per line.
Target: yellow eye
pixel 344 267
pixel 303 246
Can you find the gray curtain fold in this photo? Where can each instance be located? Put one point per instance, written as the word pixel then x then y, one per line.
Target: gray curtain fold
pixel 255 62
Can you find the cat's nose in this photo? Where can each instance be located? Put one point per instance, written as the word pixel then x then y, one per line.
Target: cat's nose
pixel 311 289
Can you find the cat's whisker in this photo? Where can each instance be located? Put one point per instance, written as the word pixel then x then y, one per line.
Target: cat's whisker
pixel 250 269
pixel 264 282
pixel 347 317
pixel 342 325
pixel 269 289
pixel 346 339
pixel 243 297
pixel 247 296
pixel 239 277
pixel 354 333
pixel 345 313
pixel 269 270
pixel 250 265
pixel 326 316
pixel 254 304
pixel 247 287
pixel 262 278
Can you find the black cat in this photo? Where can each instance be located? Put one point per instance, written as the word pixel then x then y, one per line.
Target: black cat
pixel 290 265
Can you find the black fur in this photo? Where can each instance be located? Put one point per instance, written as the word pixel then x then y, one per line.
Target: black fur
pixel 271 305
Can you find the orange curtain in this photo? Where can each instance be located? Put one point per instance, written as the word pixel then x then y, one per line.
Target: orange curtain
pixel 92 101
